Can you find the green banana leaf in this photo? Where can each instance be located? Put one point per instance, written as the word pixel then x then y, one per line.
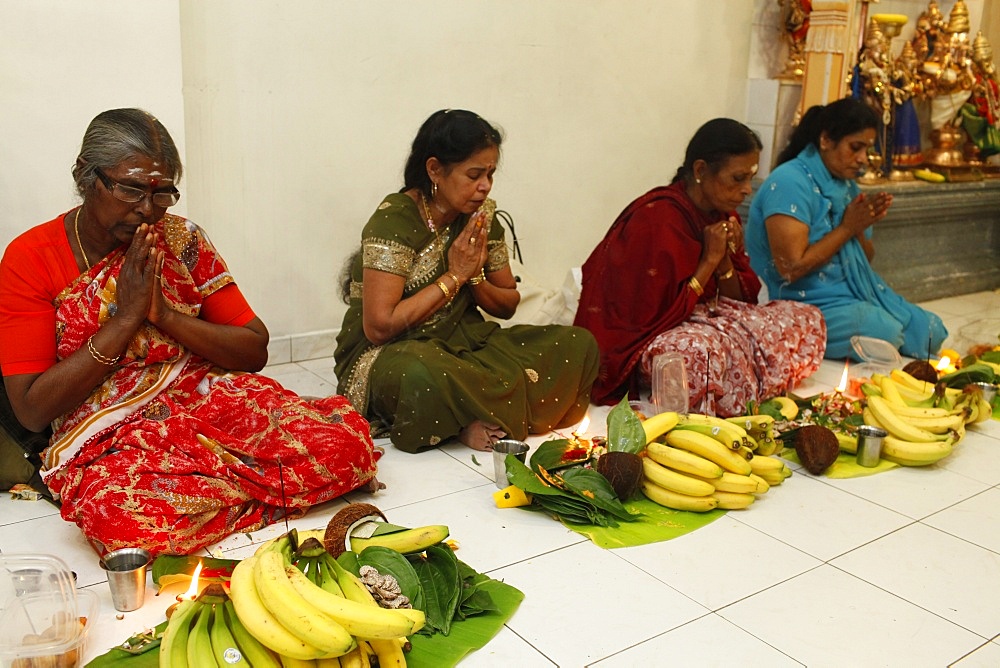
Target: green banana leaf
pixel 625 432
pixel 596 489
pixel 973 373
pixel 846 465
pixel 654 523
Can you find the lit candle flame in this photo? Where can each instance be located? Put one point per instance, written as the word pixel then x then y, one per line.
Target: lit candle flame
pixel 584 423
pixel 943 363
pixel 194 589
pixel 842 387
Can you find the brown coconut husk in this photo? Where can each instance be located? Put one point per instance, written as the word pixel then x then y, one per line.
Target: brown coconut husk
pixel 817 448
pixel 623 470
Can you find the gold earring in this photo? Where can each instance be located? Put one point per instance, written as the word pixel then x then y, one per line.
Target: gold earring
pixel 434 189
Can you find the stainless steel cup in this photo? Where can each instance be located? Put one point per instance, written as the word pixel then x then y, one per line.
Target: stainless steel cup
pixel 502 448
pixel 126 569
pixel 869 445
pixel 989 391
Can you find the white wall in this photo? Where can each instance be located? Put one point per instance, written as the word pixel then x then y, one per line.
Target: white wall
pixel 297 116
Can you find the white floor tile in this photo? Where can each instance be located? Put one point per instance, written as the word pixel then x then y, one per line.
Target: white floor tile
pixel 987 656
pixel 703 564
pixel 977 456
pixel 818 519
pixel 506 649
pixel 707 642
pixel 583 603
pixel 18 510
pixel 914 491
pixel 826 617
pixel 938 572
pixel 976 520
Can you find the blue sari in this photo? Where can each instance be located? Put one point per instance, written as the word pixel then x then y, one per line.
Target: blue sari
pixel 853 298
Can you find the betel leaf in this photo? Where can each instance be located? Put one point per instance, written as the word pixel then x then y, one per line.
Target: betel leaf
pixel 390 562
pixel 597 491
pixel 560 453
pixel 437 569
pixel 524 478
pixel 625 432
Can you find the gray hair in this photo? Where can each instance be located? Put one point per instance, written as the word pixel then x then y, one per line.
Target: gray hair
pixel 118 134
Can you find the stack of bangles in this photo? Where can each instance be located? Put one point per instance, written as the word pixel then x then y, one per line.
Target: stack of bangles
pixel 478 278
pixel 448 296
pixel 695 285
pixel 98 357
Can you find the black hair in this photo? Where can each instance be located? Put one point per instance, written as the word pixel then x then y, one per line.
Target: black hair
pixel 715 142
pixel 451 136
pixel 837 119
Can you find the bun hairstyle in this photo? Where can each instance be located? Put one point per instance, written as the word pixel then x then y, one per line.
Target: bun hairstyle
pixel 451 136
pixel 837 119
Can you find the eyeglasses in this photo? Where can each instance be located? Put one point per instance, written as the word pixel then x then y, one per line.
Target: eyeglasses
pixel 131 194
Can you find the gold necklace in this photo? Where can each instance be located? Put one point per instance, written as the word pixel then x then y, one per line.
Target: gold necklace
pixel 76 229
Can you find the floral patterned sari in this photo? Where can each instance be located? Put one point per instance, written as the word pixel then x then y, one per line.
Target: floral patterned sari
pixel 172 453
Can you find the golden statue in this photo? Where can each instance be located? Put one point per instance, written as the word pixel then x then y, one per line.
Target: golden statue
pixel 796 20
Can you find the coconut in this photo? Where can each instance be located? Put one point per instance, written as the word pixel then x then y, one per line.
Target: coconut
pixel 337 538
pixel 922 370
pixel 817 448
pixel 623 470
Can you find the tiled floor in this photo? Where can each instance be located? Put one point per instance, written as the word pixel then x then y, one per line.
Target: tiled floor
pixel 896 569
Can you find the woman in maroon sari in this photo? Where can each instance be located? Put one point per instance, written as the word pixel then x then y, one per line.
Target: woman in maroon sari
pixel 121 326
pixel 671 275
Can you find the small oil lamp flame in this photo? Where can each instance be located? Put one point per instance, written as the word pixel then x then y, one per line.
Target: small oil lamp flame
pixel 582 427
pixel 943 364
pixel 191 593
pixel 842 387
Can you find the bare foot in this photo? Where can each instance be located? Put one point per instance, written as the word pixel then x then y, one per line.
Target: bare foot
pixel 481 436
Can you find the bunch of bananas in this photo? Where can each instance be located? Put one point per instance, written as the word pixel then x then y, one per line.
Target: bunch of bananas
pixel 698 462
pixel 923 422
pixel 322 616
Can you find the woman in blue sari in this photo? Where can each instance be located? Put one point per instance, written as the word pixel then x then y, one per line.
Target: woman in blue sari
pixel 809 235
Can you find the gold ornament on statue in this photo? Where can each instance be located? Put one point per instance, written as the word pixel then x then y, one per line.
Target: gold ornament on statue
pixel 795 17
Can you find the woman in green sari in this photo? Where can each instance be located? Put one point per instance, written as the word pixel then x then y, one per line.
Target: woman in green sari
pixel 415 354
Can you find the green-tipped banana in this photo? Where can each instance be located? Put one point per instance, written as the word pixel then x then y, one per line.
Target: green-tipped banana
pixel 749 422
pixel 765 463
pixel 682 460
pixel 895 425
pixel 355 590
pixel 389 653
pixel 302 619
pixel 199 645
pixel 256 654
pixel 407 541
pixel 259 621
pixel 173 644
pixel 226 650
pixel 729 434
pixel 658 425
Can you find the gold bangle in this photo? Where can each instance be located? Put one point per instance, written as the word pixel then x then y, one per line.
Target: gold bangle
pixel 478 278
pixel 458 284
pixel 98 357
pixel 728 274
pixel 444 289
pixel 695 285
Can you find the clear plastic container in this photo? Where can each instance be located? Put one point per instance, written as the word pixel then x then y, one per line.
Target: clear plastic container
pixel 878 356
pixel 42 614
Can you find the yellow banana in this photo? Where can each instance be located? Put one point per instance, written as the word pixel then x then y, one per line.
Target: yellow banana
pixel 226 650
pixel 331 662
pixel 732 482
pixel 359 619
pixel 929 175
pixel 767 446
pixel 750 422
pixel 658 425
pixel 733 500
pixel 199 645
pixel 920 386
pixel 673 480
pixel 709 448
pixel 408 541
pixel 300 617
pixel 985 411
pixel 173 644
pixel 682 460
pixel 256 654
pixel 389 653
pixel 289 662
pixel 789 409
pixel 895 425
pixel 729 434
pixel 911 453
pixel 762 485
pixel 677 501
pixel 940 425
pixel 355 590
pixel 759 463
pixel 259 621
pixel 356 658
pixel 890 391
pixel 847 442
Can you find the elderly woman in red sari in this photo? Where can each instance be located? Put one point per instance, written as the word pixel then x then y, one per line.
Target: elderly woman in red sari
pixel 121 325
pixel 671 275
